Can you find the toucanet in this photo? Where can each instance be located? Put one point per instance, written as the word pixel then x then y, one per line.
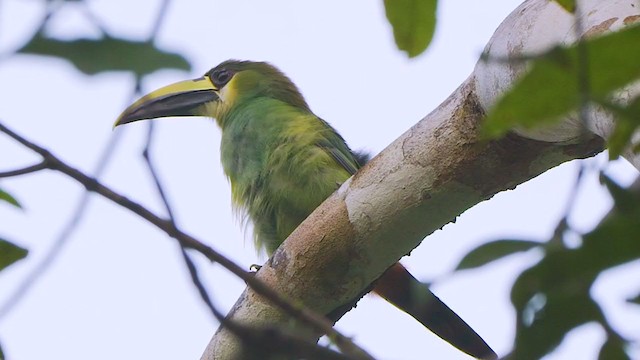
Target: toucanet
pixel 282 162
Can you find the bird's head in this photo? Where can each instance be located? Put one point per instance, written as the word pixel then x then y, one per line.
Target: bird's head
pixel 225 86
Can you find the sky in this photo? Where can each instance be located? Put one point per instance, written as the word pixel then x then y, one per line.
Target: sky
pixel 119 289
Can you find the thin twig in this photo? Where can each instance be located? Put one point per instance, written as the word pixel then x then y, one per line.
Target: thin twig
pixel 267 340
pixel 146 154
pixel 584 98
pixel 509 59
pixel 318 322
pixel 193 272
pixel 88 13
pixel 24 170
pixel 162 13
pixel 195 278
pixel 563 224
pixel 584 81
pixel 62 239
pixel 51 8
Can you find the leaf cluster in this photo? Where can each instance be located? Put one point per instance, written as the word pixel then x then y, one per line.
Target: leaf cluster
pixel 553 296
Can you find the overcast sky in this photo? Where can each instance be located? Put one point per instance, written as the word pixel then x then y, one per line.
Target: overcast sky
pixel 120 290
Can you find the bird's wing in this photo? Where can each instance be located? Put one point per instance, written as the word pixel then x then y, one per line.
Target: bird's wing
pixel 346 160
pixel 335 145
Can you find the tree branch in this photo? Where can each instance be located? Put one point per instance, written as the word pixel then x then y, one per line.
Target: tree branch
pixel 319 323
pixel 23 171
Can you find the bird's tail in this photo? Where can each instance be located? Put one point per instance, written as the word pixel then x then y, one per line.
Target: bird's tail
pixel 401 289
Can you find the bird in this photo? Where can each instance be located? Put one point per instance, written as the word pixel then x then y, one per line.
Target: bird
pixel 282 162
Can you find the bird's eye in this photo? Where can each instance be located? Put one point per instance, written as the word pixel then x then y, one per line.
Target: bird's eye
pixel 221 77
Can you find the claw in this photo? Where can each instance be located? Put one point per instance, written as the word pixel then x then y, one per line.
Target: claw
pixel 255 267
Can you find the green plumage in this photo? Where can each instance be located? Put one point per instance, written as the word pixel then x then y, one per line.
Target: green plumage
pixel 281 159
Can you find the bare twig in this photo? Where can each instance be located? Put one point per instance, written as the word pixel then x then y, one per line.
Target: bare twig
pixel 24 170
pixel 266 340
pixel 318 322
pixel 62 239
pixel 164 7
pixel 146 154
pixel 563 223
pixel 584 80
pixel 89 14
pixel 584 98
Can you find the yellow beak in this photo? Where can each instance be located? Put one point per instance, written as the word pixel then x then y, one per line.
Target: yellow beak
pixel 184 98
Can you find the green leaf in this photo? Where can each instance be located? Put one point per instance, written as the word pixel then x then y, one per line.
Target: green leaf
pixel 613 349
pixel 569 5
pixel 624 200
pixel 413 23
pixel 550 89
pixel 494 250
pixel 627 121
pixel 10 253
pixel 553 297
pixel 5 196
pixel 93 56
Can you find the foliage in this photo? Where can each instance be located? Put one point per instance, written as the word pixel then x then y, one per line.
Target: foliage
pixel 413 23
pixel 93 56
pixel 628 120
pixel 491 251
pixel 563 278
pixel 6 197
pixel 569 5
pixel 543 294
pixel 552 87
pixel 9 253
pixel 90 56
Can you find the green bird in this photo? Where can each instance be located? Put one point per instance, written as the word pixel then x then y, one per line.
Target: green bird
pixel 282 162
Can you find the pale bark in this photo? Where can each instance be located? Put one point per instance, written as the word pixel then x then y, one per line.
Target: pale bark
pixel 435 171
